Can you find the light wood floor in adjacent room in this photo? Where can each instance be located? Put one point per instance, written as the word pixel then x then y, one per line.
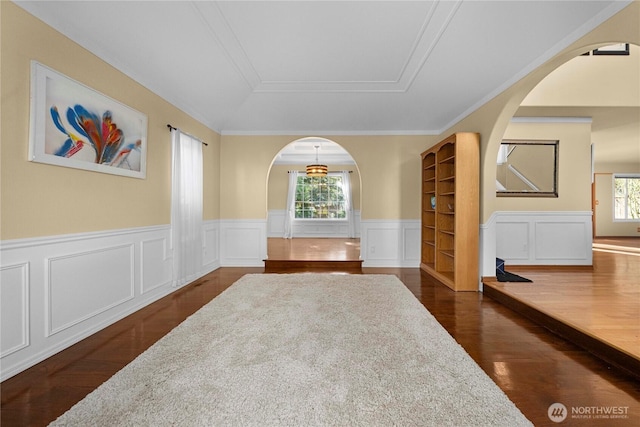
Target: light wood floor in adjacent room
pixel 603 303
pixel 532 365
pixel 308 249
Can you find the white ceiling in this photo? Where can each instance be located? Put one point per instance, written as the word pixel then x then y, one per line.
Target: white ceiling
pixel 303 151
pixel 325 67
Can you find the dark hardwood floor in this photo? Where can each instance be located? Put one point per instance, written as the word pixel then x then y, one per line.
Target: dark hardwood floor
pixel 533 366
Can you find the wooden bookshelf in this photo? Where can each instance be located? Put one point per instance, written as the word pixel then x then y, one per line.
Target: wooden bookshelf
pixel 450 211
pixel 428 212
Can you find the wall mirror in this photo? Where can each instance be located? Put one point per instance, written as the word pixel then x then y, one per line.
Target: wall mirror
pixel 527 168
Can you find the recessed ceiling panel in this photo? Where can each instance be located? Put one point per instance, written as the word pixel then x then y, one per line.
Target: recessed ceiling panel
pixel 327 41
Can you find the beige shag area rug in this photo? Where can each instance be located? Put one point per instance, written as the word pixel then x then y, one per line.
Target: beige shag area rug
pixel 302 350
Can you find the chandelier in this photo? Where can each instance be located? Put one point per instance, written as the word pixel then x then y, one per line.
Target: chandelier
pixel 317 169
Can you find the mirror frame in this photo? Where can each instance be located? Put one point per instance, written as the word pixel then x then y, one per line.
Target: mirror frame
pixel 554 192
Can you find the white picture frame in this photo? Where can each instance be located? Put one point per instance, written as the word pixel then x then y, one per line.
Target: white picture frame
pixel 74 126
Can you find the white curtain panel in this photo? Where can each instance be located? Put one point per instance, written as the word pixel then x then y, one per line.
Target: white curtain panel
pixel 186 207
pixel 348 206
pixel 290 215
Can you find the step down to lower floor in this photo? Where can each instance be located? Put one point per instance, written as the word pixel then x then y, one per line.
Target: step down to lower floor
pixel 301 266
pixel 599 347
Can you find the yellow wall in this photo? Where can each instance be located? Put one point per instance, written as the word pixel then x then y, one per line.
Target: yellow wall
pixel 574 167
pixel 278 187
pixel 492 119
pixel 611 81
pixel 389 169
pixel 41 200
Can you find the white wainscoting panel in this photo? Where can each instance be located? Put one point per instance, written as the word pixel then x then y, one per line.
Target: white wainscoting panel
pixel 411 244
pixel 514 239
pixel 543 238
pixel 82 285
pixel 14 308
pixel 566 240
pixel 211 245
pixel 275 223
pixel 390 243
pixel 153 274
pixel 311 228
pixel 58 290
pixel 243 243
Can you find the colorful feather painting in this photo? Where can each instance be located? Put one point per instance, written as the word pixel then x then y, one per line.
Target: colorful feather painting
pixel 72 125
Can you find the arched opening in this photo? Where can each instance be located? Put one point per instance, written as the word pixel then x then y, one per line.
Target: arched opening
pixel 320 219
pixel 591 105
pixel 524 110
pixel 586 106
pixel 599 87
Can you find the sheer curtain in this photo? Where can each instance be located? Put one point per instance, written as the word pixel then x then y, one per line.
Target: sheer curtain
pixel 348 206
pixel 290 214
pixel 186 207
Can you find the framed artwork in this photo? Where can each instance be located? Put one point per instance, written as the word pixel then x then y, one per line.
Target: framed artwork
pixel 614 49
pixel 75 126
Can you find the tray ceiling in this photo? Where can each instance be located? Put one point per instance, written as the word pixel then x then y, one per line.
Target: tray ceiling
pixel 325 67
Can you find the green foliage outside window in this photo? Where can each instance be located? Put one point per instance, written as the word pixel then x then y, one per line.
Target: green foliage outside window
pixel 627 197
pixel 320 197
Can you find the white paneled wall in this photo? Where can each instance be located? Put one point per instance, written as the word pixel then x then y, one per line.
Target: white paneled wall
pixel 541 238
pixel 384 243
pixel 84 284
pixel 243 243
pixel 14 308
pixel 55 291
pixel 310 228
pixel 390 243
pixel 211 245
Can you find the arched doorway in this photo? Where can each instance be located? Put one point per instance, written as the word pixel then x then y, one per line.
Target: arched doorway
pixel 320 221
pixel 557 102
pixel 567 103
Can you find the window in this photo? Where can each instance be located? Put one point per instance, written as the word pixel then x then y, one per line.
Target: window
pixel 626 197
pixel 320 197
